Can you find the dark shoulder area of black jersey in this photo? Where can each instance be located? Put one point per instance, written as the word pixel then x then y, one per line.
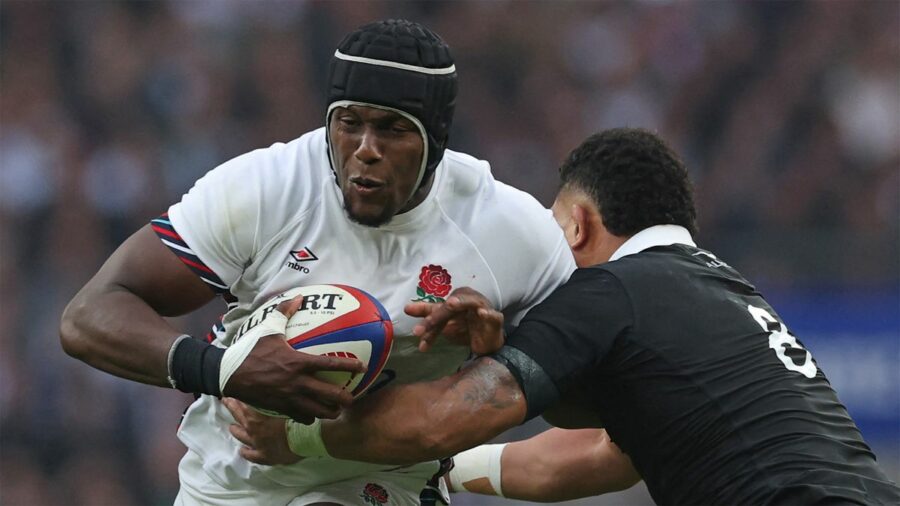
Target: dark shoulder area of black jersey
pixel 668 260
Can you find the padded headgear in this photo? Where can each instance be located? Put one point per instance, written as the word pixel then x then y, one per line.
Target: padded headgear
pixel 399 65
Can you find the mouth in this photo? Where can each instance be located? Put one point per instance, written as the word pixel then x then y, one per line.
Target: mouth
pixel 366 185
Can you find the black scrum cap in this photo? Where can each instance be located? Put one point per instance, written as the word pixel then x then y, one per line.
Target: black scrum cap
pixel 403 66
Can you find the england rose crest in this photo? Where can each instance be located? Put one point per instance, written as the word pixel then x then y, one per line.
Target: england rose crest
pixel 374 494
pixel 434 284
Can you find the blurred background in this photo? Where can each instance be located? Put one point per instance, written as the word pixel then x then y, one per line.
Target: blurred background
pixel 787 113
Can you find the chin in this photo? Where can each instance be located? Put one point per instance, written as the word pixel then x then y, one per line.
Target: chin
pixel 369 219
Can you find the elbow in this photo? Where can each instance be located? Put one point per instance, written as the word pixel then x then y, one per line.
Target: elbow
pixel 70 336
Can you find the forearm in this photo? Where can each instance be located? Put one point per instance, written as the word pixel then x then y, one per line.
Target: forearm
pixel 423 421
pixel 560 465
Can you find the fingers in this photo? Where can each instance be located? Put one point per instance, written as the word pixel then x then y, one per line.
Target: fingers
pixel 326 363
pixel 284 380
pixel 263 438
pixel 236 408
pixel 256 456
pixel 289 307
pixel 453 317
pixel 324 398
pixel 331 397
pixel 432 325
pixel 486 331
pixel 468 295
pixel 241 434
pixel 253 455
pixel 418 309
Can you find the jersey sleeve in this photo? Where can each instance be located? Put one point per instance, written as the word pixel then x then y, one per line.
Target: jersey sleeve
pixel 557 268
pixel 214 228
pixel 163 228
pixel 563 339
pixel 529 254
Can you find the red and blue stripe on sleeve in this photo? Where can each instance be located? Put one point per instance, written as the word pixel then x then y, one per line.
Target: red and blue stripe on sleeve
pixel 167 234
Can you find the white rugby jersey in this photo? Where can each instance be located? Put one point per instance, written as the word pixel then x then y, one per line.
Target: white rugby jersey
pixel 273 219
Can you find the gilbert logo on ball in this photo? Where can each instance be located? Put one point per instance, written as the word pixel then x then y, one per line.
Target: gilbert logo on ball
pixel 335 320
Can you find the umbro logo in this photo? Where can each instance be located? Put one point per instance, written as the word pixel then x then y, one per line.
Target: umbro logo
pixel 304 255
pixel 301 255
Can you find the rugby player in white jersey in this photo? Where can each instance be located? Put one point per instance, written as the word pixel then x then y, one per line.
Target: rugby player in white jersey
pixel 373 200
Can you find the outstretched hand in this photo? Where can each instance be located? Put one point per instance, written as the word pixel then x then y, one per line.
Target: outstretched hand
pixel 275 376
pixel 466 317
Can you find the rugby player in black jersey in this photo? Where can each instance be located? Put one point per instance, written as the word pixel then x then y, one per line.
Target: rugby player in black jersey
pixel 691 373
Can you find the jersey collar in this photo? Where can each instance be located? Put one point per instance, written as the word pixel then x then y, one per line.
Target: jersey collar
pixel 657 235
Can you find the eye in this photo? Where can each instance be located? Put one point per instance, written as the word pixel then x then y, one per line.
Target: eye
pixel 347 120
pixel 401 127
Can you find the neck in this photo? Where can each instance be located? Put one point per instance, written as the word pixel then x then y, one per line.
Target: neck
pixel 600 250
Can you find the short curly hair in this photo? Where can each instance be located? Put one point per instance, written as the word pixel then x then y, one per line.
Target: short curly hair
pixel 635 180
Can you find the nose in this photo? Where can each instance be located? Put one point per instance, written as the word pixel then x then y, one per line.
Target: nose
pixel 369 149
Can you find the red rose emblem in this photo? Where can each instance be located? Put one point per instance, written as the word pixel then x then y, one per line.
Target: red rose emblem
pixel 435 280
pixel 374 494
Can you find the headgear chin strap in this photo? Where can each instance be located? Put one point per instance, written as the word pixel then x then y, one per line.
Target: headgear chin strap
pixel 403 67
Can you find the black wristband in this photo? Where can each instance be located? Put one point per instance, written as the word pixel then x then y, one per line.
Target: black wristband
pixel 195 367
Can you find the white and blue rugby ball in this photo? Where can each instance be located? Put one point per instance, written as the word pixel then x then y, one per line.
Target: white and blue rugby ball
pixel 340 321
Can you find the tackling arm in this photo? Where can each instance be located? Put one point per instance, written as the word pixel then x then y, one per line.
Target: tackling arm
pixel 423 421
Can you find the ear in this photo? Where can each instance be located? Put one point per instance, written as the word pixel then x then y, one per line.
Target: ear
pixel 581 230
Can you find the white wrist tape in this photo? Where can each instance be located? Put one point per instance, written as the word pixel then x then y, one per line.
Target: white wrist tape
pixel 306 440
pixel 235 354
pixel 479 462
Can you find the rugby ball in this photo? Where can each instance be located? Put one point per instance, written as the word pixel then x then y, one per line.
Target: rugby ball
pixel 340 321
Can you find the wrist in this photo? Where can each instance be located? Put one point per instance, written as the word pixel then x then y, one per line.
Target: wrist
pixel 474 466
pixel 306 440
pixel 193 366
pixel 234 356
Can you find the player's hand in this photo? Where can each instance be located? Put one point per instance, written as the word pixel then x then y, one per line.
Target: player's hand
pixel 274 376
pixel 264 437
pixel 466 317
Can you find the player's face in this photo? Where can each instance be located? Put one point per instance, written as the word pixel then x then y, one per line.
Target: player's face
pixel 377 157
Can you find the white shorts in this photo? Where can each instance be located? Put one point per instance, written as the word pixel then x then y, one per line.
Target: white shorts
pixel 394 488
pixel 382 489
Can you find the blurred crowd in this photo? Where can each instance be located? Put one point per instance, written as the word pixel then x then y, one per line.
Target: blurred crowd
pixel 787 114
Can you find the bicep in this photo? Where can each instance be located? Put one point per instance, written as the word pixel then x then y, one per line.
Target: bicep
pixel 144 266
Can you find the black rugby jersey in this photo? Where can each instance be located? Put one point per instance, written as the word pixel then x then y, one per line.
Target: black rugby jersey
pixel 696 378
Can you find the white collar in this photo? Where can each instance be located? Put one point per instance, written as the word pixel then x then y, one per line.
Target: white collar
pixel 657 235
